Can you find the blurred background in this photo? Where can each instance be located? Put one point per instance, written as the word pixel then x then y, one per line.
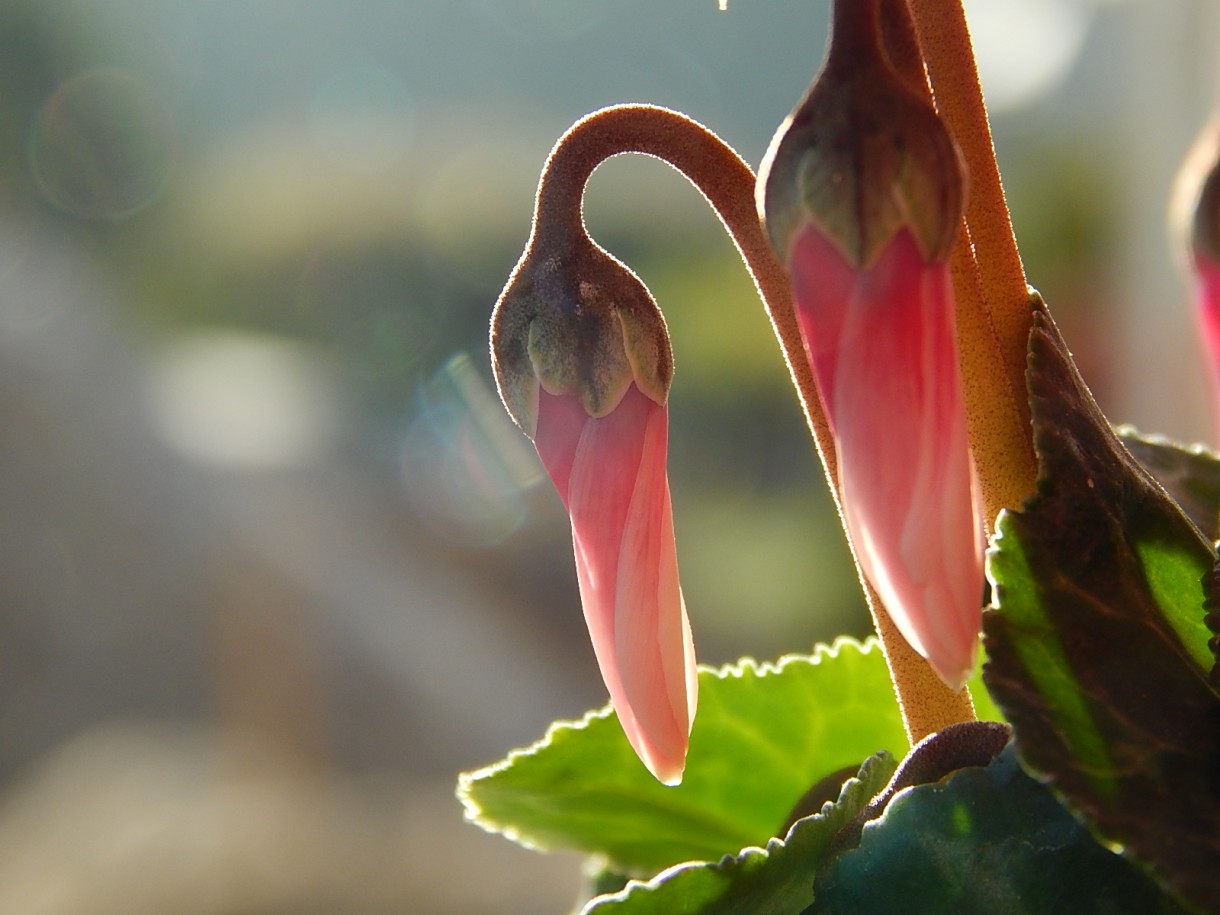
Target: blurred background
pixel 274 566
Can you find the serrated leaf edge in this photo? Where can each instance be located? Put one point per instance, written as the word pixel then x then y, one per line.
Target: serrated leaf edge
pixel 849 794
pixel 473 813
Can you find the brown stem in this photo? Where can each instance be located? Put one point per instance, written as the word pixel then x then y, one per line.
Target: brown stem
pixel 855 31
pixel 727 183
pixel 901 45
pixel 993 301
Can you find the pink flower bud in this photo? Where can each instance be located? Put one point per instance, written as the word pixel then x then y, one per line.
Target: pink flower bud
pixel 1198 212
pixel 881 343
pixel 862 194
pixel 1207 312
pixel 583 363
pixel 610 473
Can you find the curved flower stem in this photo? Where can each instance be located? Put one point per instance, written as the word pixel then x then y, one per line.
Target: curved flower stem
pixel 993 300
pixel 727 183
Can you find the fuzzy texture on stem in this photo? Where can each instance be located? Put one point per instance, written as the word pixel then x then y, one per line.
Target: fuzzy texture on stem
pixel 994 313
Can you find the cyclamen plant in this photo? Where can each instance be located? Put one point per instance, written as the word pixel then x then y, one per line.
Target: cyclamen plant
pixel 1080 771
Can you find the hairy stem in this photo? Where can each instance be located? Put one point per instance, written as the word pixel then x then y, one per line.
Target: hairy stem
pixel 727 183
pixel 993 300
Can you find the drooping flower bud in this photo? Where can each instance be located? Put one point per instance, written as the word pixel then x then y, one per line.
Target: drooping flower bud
pixel 861 192
pixel 583 364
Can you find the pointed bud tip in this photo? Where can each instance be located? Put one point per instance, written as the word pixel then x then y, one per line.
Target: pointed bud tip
pixel 669 776
pixel 666 765
pixel 952 674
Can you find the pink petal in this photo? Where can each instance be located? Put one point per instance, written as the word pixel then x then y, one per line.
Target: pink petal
pixel 1207 301
pixel 610 473
pixel 881 341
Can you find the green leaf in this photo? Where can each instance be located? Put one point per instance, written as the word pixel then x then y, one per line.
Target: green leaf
pixel 1190 474
pixel 775 880
pixel 985 839
pixel 1098 649
pixel 763 735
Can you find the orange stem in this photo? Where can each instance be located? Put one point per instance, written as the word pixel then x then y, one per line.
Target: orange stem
pixel 990 290
pixel 993 301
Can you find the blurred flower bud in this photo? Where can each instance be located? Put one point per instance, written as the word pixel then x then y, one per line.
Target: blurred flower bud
pixel 1198 207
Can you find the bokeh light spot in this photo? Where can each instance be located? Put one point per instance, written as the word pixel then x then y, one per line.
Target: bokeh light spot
pixel 103 145
pixel 243 402
pixel 1026 48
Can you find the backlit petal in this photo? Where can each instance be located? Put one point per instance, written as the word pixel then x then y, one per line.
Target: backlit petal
pixel 881 342
pixel 611 474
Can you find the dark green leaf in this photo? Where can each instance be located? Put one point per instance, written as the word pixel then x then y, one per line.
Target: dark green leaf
pixel 984 840
pixel 1098 649
pixel 1191 475
pixel 775 880
pixel 763 735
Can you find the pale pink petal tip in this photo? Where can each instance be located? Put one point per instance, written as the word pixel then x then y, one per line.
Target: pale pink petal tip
pixel 610 473
pixel 881 342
